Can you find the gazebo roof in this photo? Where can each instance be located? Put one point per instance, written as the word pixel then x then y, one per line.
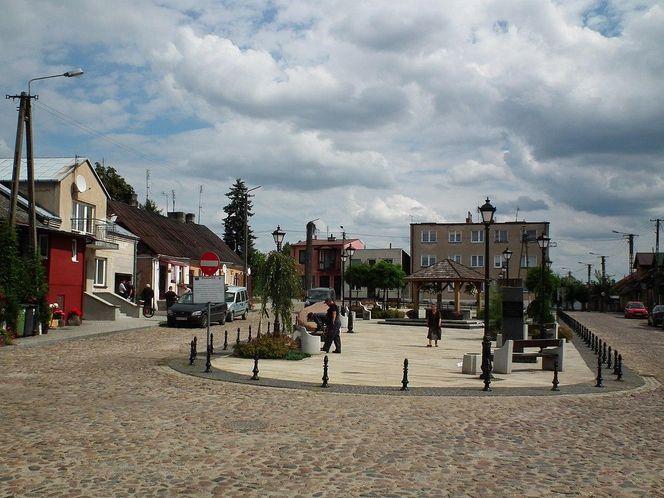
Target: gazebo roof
pixel 446 270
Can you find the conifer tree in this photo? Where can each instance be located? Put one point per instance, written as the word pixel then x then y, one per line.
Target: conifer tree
pixel 234 224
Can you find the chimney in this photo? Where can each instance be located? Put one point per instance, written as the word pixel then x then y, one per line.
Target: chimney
pixel 189 218
pixel 331 238
pixel 469 217
pixel 134 200
pixel 177 216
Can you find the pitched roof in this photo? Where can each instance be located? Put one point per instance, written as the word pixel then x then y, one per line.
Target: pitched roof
pixel 446 270
pixel 169 237
pixel 45 219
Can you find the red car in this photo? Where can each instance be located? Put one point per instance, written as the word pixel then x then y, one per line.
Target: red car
pixel 636 309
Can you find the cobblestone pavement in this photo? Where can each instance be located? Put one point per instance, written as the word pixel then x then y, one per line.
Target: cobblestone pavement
pixel 105 416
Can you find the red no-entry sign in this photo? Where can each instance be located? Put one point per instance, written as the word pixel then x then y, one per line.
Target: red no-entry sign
pixel 209 263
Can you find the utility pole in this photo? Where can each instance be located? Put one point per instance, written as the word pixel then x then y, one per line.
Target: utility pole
pixel 657 234
pixel 630 240
pixel 173 194
pixel 200 202
pixel 147 185
pixel 308 255
pixel 165 194
pixel 589 265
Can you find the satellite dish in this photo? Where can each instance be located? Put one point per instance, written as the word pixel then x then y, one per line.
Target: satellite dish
pixel 81 184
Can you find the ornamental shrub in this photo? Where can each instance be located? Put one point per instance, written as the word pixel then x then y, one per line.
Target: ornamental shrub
pixel 273 347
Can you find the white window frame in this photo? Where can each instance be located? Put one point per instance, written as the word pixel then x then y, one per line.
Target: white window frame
pixel 429 237
pixel 457 258
pixel 454 237
pixel 477 261
pixel 497 235
pixel 476 236
pixel 104 264
pixel 74 250
pixel 498 261
pixel 83 217
pixel 430 260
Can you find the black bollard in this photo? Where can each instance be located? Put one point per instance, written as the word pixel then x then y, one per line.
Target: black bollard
pixel 255 370
pixel 249 333
pixel 350 321
pixel 225 340
pixel 604 353
pixel 615 362
pixel 599 372
pixel 208 363
pixel 325 377
pixel 195 346
pixel 599 349
pixel 192 355
pixel 555 376
pixel 237 340
pixel 608 358
pixel 404 381
pixel 211 343
pixel 620 372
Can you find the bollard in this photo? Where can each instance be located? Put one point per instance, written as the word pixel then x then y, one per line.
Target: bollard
pixel 325 377
pixel 211 343
pixel 608 359
pixel 555 376
pixel 620 372
pixel 586 338
pixel 208 363
pixel 249 340
pixel 195 346
pixel 599 372
pixel 604 353
pixel 237 341
pixel 600 344
pixel 255 370
pixel 192 354
pixel 615 362
pixel 404 381
pixel 225 340
pixel 350 322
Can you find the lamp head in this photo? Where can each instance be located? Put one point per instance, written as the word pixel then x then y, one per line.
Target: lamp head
pixel 487 211
pixel 278 235
pixel 543 241
pixel 350 251
pixel 507 254
pixel 73 72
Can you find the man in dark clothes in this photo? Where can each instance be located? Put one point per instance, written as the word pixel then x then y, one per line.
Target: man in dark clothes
pixel 333 323
pixel 170 297
pixel 148 297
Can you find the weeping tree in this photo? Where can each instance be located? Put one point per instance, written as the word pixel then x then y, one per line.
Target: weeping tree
pixel 279 284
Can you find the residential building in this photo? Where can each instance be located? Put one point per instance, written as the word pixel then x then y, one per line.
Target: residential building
pixel 391 255
pixel 464 243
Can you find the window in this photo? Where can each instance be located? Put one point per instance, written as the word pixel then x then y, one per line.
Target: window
pixel 74 250
pixel 477 261
pixel 529 235
pixel 454 237
pixel 528 261
pixel 498 261
pixel 477 236
pixel 429 236
pixel 83 216
pixel 427 260
pixel 100 272
pixel 500 236
pixel 43 246
pixel 371 262
pixel 455 257
pixel 302 257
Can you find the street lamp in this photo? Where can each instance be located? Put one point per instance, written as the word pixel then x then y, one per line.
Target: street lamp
pixel 278 236
pixel 25 120
pixel 245 249
pixel 344 258
pixel 543 241
pixel 487 211
pixel 350 251
pixel 507 255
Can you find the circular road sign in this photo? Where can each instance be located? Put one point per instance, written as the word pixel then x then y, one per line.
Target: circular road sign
pixel 209 263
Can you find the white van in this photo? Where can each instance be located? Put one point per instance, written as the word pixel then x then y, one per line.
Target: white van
pixel 238 302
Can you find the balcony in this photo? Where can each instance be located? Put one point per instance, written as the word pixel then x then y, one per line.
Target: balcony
pixel 102 233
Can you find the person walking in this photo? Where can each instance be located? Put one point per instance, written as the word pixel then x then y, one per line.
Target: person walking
pixel 434 324
pixel 148 298
pixel 170 297
pixel 333 330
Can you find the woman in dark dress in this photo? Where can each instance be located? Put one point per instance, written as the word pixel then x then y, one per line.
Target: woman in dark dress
pixel 434 323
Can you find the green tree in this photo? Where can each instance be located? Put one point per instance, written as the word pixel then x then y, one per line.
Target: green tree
pixel 116 185
pixel 151 207
pixel 11 275
pixel 545 288
pixel 358 275
pixel 279 283
pixel 387 276
pixel 238 207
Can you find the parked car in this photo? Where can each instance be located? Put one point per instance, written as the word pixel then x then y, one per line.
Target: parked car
pixel 318 294
pixel 186 312
pixel 636 309
pixel 656 316
pixel 238 303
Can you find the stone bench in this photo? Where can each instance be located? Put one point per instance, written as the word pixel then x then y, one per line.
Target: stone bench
pixel 550 350
pixel 310 343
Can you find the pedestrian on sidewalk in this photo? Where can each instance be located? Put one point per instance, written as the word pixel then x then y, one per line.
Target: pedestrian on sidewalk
pixel 333 327
pixel 170 297
pixel 434 324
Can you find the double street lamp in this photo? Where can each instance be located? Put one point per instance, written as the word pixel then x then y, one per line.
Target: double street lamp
pixel 543 241
pixel 487 211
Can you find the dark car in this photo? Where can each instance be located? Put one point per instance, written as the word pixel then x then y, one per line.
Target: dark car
pixel 318 295
pixel 656 316
pixel 186 312
pixel 636 309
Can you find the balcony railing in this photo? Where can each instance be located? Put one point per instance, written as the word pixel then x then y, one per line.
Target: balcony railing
pixel 102 231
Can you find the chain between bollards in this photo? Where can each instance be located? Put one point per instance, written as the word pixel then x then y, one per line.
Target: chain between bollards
pixel 255 370
pixel 555 376
pixel 404 381
pixel 325 377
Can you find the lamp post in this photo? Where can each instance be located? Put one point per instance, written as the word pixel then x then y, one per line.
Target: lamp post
pixel 344 258
pixel 350 251
pixel 245 249
pixel 543 241
pixel 25 120
pixel 487 211
pixel 278 236
pixel 507 255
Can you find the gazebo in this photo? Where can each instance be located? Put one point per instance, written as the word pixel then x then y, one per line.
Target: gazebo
pixel 447 273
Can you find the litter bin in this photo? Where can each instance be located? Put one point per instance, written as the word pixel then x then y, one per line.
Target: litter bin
pixel 20 321
pixel 30 315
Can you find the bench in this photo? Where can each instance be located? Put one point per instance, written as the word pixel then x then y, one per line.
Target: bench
pixel 550 350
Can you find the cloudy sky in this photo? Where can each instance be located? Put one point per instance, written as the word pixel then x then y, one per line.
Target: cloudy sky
pixel 370 115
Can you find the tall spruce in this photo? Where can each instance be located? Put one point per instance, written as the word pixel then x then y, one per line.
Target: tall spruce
pixel 234 223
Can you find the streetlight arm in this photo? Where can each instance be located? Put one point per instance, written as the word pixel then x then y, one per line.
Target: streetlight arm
pixel 69 74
